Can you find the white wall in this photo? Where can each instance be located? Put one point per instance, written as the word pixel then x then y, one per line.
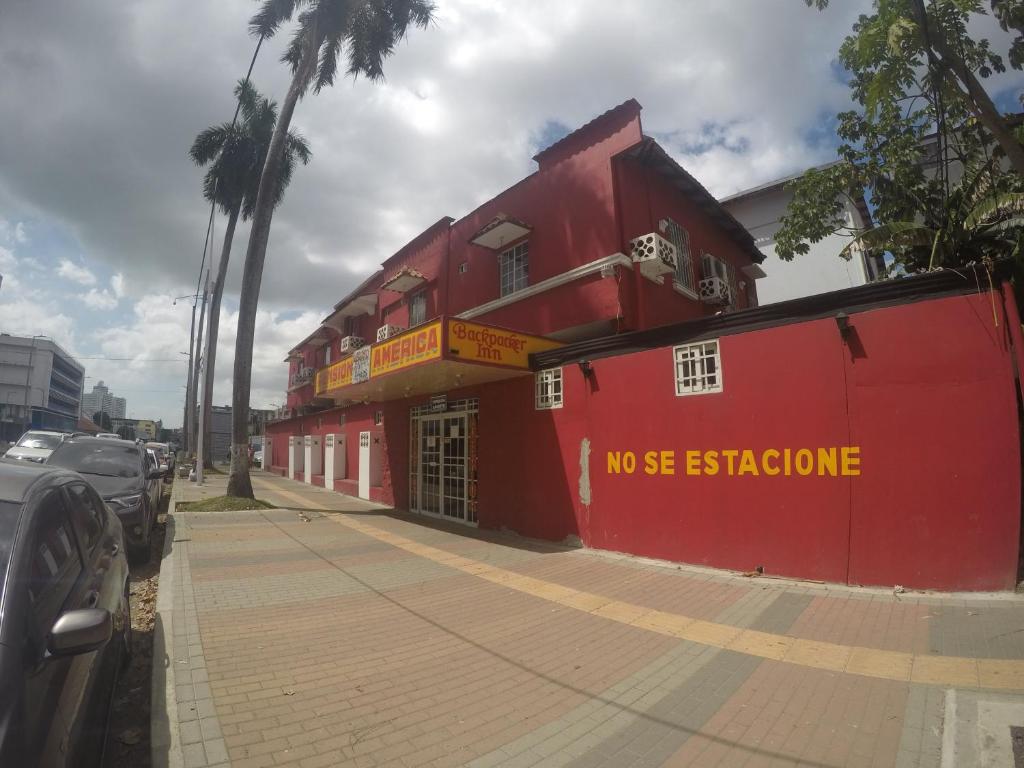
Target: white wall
pixel 820 271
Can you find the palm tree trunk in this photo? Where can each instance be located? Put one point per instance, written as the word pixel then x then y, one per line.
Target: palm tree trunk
pixel 212 330
pixel 977 96
pixel 239 483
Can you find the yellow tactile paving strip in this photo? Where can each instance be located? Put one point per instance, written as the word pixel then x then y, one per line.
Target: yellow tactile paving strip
pixel 948 671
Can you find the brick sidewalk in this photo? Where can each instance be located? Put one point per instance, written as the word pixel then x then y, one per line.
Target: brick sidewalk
pixel 369 638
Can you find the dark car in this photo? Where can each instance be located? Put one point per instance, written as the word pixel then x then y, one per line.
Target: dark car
pixel 120 471
pixel 65 627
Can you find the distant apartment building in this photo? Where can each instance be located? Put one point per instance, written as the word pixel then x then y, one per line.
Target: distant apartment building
pixel 100 399
pixel 40 386
pixel 760 211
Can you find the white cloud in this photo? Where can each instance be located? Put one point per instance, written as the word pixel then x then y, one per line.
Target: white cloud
pixel 20 236
pixel 7 260
pixel 99 299
pixel 71 271
pixel 117 285
pixel 28 317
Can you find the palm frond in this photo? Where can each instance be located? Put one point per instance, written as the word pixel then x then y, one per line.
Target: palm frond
pixel 298 146
pixel 271 15
pixel 995 209
pixel 894 235
pixel 209 142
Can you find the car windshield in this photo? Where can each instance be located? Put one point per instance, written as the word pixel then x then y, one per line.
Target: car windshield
pixel 95 458
pixel 39 440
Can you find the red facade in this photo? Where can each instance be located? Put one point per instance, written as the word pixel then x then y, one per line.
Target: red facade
pixel 886 452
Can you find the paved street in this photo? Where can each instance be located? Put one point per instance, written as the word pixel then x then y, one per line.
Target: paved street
pixel 332 633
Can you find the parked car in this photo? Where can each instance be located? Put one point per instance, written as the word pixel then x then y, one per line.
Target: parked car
pixel 165 456
pixel 155 485
pixel 65 628
pixel 119 470
pixel 35 445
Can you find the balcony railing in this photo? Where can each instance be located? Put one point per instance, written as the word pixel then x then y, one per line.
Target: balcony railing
pixel 301 378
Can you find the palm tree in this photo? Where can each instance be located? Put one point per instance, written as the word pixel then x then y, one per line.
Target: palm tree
pixel 982 218
pixel 368 30
pixel 235 153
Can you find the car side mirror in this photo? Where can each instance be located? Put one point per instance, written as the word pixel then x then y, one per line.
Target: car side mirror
pixel 80 631
pixel 154 474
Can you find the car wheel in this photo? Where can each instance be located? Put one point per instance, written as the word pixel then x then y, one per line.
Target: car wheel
pixel 126 634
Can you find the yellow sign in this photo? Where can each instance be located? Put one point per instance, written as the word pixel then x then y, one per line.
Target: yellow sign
pixel 334 376
pixel 837 461
pixel 415 346
pixel 480 343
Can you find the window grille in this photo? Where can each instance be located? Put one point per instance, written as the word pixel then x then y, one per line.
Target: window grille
pixel 513 268
pixel 418 309
pixel 378 418
pixel 698 368
pixel 680 238
pixel 548 392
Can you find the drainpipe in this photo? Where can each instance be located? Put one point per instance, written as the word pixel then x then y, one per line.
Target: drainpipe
pixel 635 321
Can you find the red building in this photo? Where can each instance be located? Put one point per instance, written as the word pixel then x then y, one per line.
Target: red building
pixel 582 358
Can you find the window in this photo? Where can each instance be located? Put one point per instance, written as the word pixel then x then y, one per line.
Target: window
pixel 680 238
pixel 87 513
pixel 55 563
pixel 698 368
pixel 378 418
pixel 418 308
pixel 548 389
pixel 513 268
pixel 463 268
pixel 327 355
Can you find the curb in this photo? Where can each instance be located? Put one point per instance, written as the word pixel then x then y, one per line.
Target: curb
pixel 165 748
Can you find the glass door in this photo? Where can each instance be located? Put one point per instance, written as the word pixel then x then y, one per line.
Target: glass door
pixel 453 460
pixel 430 465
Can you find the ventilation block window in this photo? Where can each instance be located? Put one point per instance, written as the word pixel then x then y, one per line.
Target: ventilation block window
pixel 698 368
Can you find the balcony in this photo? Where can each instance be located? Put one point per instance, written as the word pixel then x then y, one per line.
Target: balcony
pixel 301 378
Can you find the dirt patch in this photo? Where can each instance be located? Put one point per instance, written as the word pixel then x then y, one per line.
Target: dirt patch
pixel 128 733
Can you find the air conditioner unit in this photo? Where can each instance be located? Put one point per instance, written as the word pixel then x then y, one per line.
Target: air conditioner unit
pixel 350 344
pixel 715 290
pixel 655 255
pixel 387 331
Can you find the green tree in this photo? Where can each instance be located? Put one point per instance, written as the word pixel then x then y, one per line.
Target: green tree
pixel 235 153
pixel 916 73
pixel 978 222
pixel 102 420
pixel 367 31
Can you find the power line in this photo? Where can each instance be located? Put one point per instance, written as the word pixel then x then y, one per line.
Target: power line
pixel 137 359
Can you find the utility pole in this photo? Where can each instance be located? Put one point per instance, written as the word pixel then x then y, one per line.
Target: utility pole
pixel 186 433
pixel 192 415
pixel 204 371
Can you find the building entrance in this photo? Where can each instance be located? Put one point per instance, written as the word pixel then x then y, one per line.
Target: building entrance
pixel 443 461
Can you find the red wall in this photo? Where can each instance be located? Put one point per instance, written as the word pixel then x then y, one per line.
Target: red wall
pixel 926 390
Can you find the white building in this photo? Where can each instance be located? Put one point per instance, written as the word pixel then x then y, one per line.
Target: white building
pixel 100 399
pixel 40 386
pixel 819 271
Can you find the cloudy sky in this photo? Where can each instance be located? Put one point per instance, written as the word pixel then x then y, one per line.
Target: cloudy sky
pixel 101 218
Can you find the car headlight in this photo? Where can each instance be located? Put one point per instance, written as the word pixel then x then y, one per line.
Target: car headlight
pixel 126 502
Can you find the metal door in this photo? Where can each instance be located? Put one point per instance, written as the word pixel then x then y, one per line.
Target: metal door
pixel 364 465
pixel 453 466
pixel 430 465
